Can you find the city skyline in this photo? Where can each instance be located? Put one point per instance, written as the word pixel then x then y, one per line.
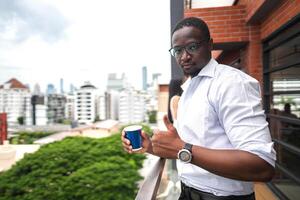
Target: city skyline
pixel 47 40
pixel 60 85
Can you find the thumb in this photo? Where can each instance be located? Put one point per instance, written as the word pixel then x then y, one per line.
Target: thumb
pixel 168 124
pixel 144 135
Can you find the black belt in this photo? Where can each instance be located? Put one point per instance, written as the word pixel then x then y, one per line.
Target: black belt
pixel 189 193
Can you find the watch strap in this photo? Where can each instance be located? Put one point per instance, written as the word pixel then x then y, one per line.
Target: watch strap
pixel 188 147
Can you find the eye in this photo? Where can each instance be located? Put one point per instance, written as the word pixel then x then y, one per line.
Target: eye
pixel 177 50
pixel 192 47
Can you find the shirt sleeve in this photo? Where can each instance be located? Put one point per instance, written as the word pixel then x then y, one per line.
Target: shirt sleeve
pixel 242 117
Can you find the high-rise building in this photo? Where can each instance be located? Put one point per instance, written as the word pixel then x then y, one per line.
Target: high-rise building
pixel 144 75
pixel 72 89
pixel 86 104
pixel 155 78
pixel 50 89
pixel 39 110
pixel 70 107
pixel 37 89
pixel 112 104
pixel 56 108
pixel 115 82
pixel 61 85
pixel 132 108
pixel 15 101
pixel 101 107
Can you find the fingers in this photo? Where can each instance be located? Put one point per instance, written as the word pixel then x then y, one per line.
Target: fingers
pixel 126 143
pixel 168 124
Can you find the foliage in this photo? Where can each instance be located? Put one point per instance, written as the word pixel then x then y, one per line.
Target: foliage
pixel 21 120
pixel 60 121
pixel 97 118
pixel 66 121
pixel 286 99
pixel 28 137
pixel 152 116
pixel 74 168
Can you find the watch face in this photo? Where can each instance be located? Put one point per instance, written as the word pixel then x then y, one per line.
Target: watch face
pixel 185 155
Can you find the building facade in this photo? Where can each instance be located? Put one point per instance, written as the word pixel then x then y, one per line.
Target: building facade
pixel 39 110
pixel 145 78
pixel 86 104
pixel 101 107
pixel 14 100
pixel 70 107
pixel 112 104
pixel 116 82
pixel 132 108
pixel 56 108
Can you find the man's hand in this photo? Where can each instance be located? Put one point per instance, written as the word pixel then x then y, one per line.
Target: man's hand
pixel 146 144
pixel 166 144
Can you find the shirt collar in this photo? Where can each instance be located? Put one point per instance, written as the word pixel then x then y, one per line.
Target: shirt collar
pixel 209 68
pixel 186 84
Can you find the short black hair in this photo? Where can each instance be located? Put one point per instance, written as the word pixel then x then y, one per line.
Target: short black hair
pixel 194 22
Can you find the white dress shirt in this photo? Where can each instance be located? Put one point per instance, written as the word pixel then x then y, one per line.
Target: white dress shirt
pixel 220 108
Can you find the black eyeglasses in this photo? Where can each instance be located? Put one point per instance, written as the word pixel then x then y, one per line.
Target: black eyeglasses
pixel 191 48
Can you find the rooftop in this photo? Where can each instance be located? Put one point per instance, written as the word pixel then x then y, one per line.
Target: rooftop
pixel 14 83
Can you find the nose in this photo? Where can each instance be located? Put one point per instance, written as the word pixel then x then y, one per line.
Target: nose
pixel 185 56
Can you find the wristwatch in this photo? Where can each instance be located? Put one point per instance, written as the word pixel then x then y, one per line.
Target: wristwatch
pixel 185 154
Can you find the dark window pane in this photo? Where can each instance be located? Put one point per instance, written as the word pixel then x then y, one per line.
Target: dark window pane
pixel 285 91
pixel 285 53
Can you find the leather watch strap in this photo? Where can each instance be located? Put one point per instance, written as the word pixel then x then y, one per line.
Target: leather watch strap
pixel 188 147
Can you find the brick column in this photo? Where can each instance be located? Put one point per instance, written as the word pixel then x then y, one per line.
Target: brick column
pixel 3 127
pixel 253 53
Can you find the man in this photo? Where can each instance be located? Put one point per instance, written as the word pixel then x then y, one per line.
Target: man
pixel 287 111
pixel 222 141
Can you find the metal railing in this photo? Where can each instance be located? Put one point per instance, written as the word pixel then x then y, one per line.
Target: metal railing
pixel 282 128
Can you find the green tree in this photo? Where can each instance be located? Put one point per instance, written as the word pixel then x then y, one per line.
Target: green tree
pixel 97 118
pixel 28 137
pixel 21 120
pixel 152 116
pixel 74 168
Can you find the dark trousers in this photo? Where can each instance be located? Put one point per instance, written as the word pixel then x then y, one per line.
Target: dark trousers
pixel 188 193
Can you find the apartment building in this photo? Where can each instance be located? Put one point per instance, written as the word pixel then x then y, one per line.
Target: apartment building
pixel 56 108
pixel 132 108
pixel 15 101
pixel 86 104
pixel 70 106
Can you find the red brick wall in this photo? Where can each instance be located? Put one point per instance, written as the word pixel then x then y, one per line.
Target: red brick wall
pixel 253 54
pixel 226 24
pixel 281 14
pixel 251 7
pixel 3 127
pixel 229 24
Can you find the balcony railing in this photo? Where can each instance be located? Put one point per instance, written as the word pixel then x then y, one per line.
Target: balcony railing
pixel 285 134
pixel 149 187
pixel 154 188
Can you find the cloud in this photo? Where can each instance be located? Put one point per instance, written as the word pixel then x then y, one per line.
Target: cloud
pixel 21 19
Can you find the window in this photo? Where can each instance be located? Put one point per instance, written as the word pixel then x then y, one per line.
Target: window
pixel 282 104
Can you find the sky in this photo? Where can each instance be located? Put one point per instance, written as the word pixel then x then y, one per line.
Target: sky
pixel 42 41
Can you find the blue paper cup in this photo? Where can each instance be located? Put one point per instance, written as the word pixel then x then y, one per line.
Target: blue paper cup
pixel 133 133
